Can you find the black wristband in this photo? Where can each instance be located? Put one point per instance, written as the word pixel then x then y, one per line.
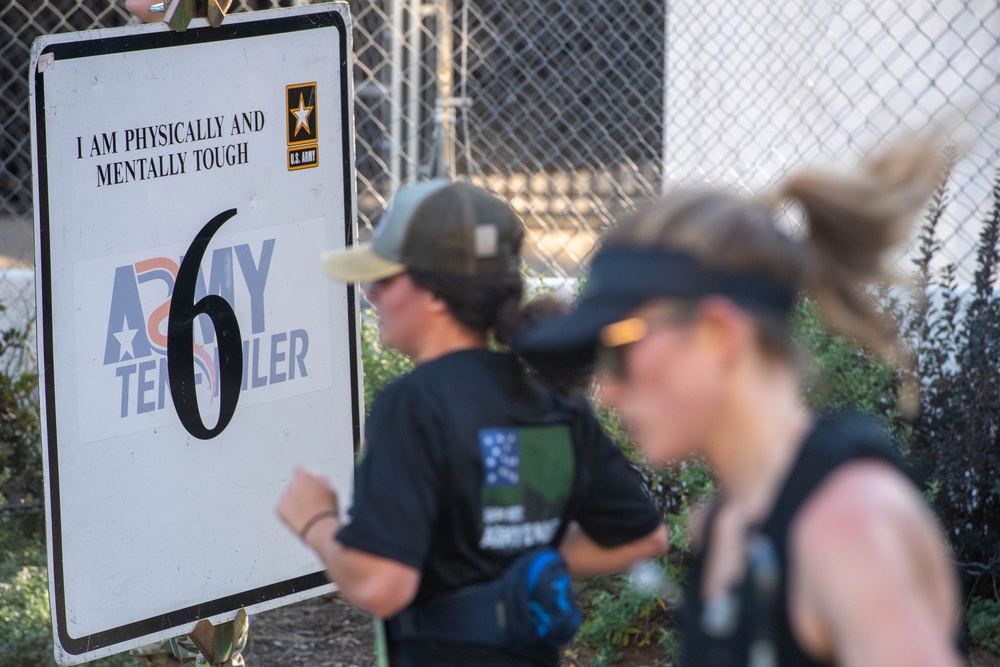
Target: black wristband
pixel 316 517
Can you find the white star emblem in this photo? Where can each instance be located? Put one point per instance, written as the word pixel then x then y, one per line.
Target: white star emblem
pixel 301 115
pixel 125 338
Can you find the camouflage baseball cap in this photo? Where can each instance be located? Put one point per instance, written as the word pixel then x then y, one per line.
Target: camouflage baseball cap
pixel 440 226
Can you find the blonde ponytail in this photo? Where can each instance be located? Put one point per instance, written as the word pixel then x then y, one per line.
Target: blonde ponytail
pixel 853 219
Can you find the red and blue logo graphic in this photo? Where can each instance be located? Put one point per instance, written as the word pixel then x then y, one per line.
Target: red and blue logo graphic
pixel 136 341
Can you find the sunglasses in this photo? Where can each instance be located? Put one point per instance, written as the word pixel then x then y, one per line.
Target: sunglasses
pixel 615 338
pixel 383 283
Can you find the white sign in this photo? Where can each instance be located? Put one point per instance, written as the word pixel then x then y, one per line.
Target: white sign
pixel 193 350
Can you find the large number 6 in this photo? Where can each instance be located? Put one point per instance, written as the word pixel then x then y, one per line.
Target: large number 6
pixel 180 340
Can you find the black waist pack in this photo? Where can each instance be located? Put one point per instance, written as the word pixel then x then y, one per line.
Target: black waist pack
pixel 531 605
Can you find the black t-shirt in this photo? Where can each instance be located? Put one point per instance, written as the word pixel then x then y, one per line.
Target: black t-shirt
pixel 469 462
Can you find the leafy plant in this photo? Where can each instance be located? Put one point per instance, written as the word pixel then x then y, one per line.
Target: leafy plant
pixel 841 375
pixel 984 623
pixel 621 616
pixel 25 635
pixel 20 440
pixel 956 438
pixel 670 644
pixel 380 364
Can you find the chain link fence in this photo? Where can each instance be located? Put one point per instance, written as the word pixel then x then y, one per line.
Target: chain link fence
pixel 575 111
pixel 755 89
pixel 557 106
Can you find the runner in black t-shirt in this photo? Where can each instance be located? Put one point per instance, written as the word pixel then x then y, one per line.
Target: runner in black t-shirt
pixel 470 461
pixel 818 550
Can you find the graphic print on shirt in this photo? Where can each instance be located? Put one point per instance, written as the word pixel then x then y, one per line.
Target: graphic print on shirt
pixel 527 480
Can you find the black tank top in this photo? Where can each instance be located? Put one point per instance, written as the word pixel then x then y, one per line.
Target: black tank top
pixel 753 618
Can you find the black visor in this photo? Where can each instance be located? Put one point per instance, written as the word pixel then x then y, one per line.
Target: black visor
pixel 623 278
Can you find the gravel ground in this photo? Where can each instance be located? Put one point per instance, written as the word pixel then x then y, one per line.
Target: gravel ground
pixel 321 632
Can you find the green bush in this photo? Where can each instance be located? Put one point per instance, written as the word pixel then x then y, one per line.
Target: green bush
pixel 20 440
pixel 984 623
pixel 621 616
pixel 25 633
pixel 841 375
pixel 954 443
pixel 380 364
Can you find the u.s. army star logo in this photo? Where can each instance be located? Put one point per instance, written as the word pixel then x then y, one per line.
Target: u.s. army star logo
pixel 302 122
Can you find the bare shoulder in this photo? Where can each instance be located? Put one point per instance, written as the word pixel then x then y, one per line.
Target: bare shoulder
pixel 868 515
pixel 868 507
pixel 861 497
pixel 865 548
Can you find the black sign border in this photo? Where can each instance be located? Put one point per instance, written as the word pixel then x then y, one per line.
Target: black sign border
pixel 160 40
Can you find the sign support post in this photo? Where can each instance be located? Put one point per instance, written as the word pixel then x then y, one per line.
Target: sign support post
pixel 216 641
pixel 180 12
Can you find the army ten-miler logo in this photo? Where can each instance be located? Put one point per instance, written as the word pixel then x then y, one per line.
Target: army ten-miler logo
pixel 301 120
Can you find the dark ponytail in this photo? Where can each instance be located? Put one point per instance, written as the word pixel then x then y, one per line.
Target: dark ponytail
pixel 564 373
pixel 493 306
pixel 482 305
